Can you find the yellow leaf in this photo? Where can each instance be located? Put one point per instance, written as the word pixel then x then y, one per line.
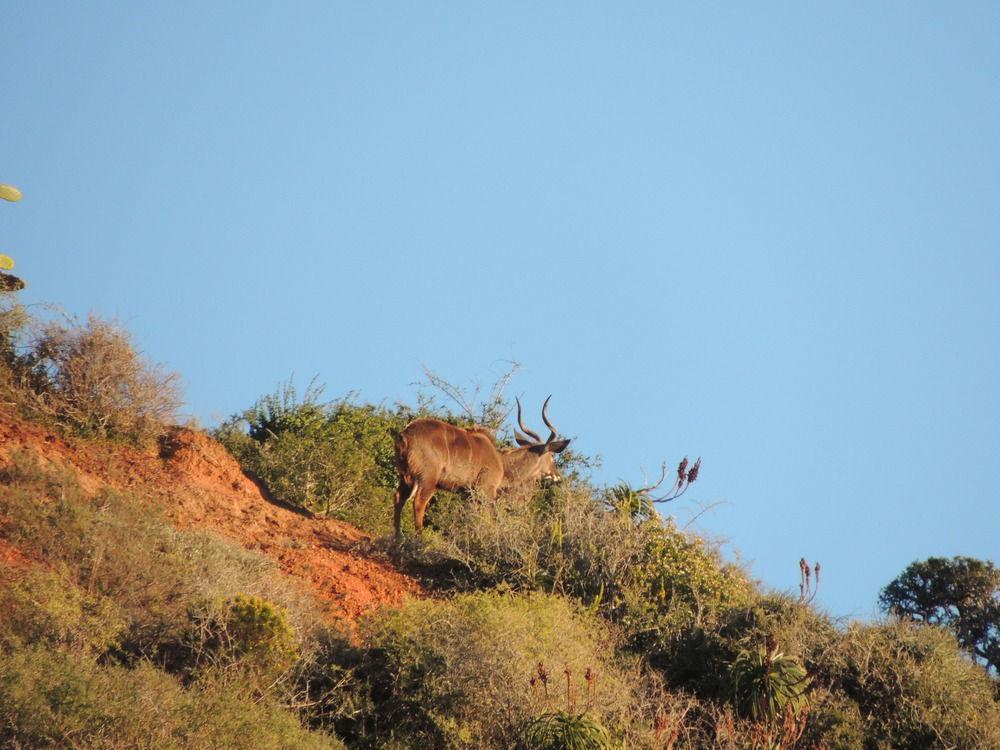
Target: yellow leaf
pixel 10 193
pixel 6 262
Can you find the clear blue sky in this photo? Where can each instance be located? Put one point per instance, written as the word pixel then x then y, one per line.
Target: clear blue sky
pixel 767 234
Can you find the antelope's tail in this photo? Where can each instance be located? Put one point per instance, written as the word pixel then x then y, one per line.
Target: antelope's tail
pixel 400 443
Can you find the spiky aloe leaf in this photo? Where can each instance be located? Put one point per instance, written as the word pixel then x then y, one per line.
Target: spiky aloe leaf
pixel 10 193
pixel 634 503
pixel 764 684
pixel 6 262
pixel 559 730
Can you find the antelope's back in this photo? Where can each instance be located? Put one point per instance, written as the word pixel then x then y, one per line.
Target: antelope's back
pixel 449 456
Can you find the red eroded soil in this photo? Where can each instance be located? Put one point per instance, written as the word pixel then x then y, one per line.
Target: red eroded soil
pixel 200 485
pixel 12 557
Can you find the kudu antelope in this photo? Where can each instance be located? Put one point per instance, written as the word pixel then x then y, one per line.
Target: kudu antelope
pixel 433 455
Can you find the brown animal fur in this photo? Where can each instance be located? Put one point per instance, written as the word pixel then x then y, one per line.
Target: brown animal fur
pixel 433 455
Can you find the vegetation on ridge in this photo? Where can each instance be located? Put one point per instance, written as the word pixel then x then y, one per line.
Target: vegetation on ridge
pixel 579 618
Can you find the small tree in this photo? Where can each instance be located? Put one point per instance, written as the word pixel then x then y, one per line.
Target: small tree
pixel 959 593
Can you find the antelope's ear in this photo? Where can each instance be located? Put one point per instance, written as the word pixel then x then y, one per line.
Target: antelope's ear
pixel 556 446
pixel 523 440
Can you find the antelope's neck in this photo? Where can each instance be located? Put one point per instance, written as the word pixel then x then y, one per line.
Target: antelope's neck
pixel 518 464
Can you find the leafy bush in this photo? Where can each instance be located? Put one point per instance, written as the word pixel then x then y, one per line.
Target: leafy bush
pixel 52 699
pixel 897 685
pixel 456 674
pixel 46 607
pixel 14 321
pixel 697 659
pixel 247 634
pixel 834 721
pixel 333 458
pixel 914 687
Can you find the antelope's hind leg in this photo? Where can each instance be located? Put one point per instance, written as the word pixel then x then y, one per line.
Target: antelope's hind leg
pixel 421 497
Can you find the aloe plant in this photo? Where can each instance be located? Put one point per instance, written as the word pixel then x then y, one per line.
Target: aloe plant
pixel 765 684
pixel 559 730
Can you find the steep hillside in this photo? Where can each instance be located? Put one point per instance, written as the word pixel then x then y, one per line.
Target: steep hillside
pixel 123 586
pixel 198 484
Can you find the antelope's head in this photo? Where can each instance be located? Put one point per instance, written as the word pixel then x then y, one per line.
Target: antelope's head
pixel 539 457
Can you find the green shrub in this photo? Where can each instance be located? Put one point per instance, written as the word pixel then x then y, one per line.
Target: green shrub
pixel 52 699
pixel 681 581
pixel 333 458
pixel 914 687
pixel 256 626
pixel 245 634
pixel 899 686
pixel 803 631
pixel 457 673
pixel 834 721
pixel 697 659
pixel 46 607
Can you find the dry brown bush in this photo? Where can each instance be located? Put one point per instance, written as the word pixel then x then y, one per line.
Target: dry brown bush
pixel 90 376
